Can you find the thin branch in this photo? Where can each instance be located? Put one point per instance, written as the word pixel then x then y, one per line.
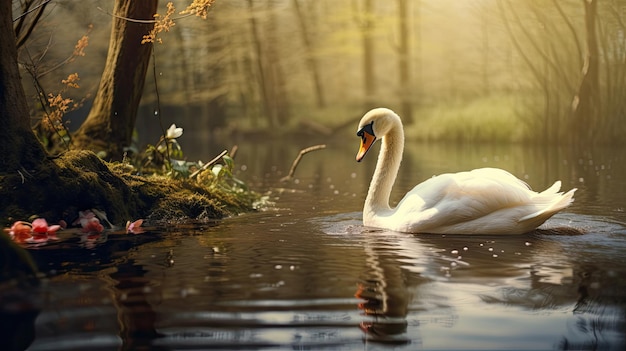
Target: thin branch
pixel 43 4
pixel 158 108
pixel 23 36
pixel 571 28
pixel 208 164
pixel 233 151
pixel 138 20
pixel 516 43
pixel 298 158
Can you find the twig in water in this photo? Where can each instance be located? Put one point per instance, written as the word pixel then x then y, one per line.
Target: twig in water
pixel 298 158
pixel 208 164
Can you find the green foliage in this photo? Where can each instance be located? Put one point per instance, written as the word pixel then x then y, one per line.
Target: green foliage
pixel 166 159
pixel 490 119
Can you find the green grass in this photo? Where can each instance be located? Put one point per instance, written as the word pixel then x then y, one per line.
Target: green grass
pixel 489 119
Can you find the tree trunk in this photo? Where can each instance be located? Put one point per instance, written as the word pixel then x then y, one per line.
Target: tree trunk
pixel 256 40
pixel 19 148
pixel 310 58
pixel 111 120
pixel 368 54
pixel 587 101
pixel 403 63
pixel 276 76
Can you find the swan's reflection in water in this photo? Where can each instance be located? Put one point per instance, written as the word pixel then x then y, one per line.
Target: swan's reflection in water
pixel 386 305
pixel 535 291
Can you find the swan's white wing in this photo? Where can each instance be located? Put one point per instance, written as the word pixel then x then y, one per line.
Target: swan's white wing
pixel 483 197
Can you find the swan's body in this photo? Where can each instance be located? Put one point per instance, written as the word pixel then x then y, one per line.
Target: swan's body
pixel 482 201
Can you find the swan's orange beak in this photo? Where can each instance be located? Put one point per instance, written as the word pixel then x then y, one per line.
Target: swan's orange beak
pixel 367 140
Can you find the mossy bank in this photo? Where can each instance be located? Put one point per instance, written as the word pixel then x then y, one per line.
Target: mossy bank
pixel 79 180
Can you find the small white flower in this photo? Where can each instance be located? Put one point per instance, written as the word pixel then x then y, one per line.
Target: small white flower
pixel 173 132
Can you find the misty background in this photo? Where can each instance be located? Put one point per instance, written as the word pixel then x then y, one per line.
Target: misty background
pixel 542 71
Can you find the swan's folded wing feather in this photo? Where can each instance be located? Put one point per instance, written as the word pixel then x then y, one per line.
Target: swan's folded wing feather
pixel 450 199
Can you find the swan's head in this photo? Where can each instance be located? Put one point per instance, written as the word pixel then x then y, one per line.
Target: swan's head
pixel 375 124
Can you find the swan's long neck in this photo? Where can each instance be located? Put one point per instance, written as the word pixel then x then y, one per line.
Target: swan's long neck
pixel 389 159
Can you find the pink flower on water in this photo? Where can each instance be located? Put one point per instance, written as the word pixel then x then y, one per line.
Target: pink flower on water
pixel 134 227
pixel 20 231
pixel 89 222
pixel 42 232
pixel 91 225
pixel 36 232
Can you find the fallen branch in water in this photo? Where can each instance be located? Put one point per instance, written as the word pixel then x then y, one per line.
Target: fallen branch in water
pixel 298 158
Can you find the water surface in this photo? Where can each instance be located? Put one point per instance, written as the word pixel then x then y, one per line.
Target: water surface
pixel 305 273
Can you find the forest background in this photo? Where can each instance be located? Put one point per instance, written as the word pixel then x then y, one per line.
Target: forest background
pixel 533 71
pixel 482 70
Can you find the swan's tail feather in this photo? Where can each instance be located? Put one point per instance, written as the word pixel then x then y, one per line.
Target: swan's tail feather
pixel 550 202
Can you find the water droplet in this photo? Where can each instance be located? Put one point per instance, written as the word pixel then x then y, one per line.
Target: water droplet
pixel 454 252
pixel 491 249
pixel 278 266
pixel 495 255
pixel 527 243
pixel 465 248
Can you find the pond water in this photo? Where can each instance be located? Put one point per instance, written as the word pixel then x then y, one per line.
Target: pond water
pixel 305 273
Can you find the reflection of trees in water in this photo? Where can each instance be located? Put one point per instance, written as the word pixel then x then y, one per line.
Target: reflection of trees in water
pixel 600 310
pixel 136 315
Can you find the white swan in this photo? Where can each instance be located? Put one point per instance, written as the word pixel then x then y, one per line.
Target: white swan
pixel 482 201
